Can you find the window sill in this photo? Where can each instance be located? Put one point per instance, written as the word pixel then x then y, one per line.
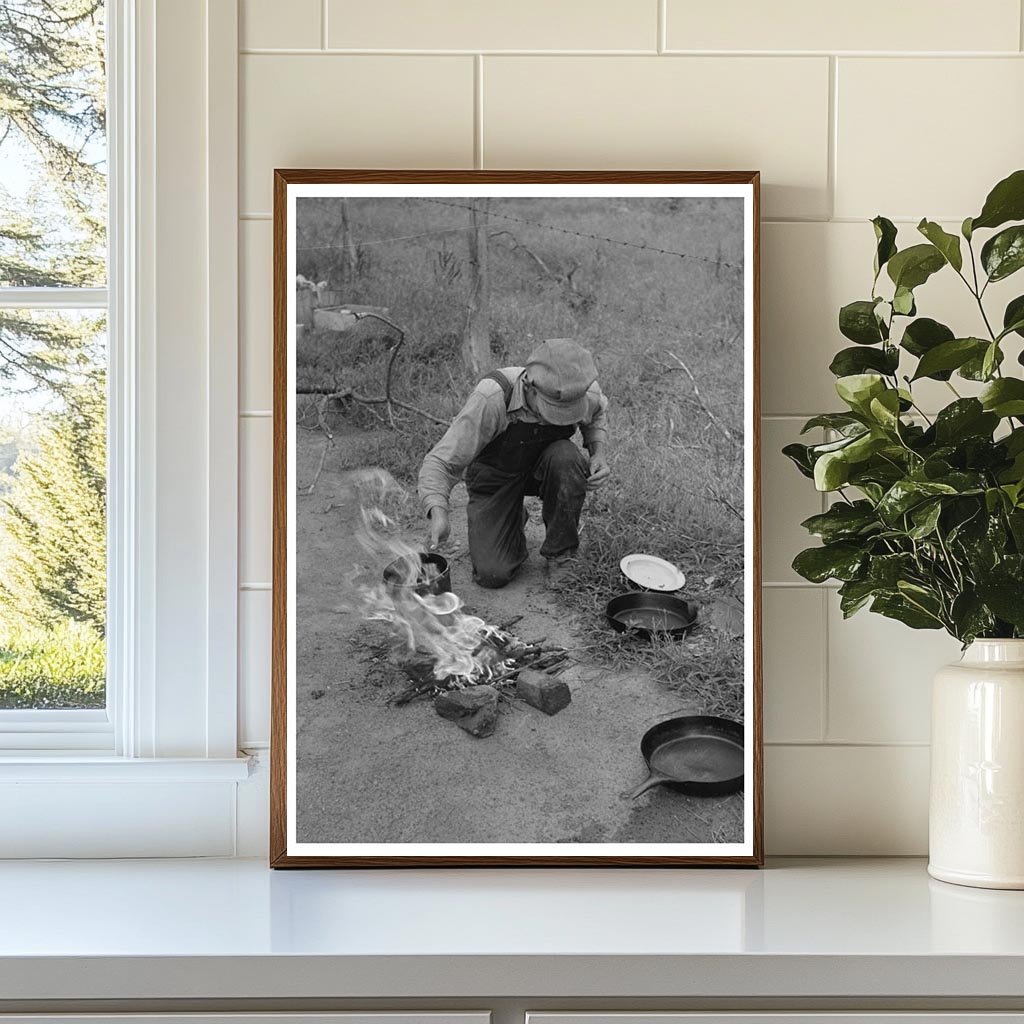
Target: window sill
pixel 76 766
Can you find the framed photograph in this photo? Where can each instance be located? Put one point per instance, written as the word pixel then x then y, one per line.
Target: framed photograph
pixel 516 557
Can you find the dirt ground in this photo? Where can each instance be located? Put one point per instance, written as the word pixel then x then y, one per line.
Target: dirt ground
pixel 368 771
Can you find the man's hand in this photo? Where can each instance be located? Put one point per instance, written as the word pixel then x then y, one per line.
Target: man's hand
pixel 600 471
pixel 440 528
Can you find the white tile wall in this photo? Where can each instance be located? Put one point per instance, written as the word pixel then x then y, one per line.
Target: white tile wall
pixel 471 25
pixel 971 110
pixel 908 110
pixel 701 113
pixel 873 25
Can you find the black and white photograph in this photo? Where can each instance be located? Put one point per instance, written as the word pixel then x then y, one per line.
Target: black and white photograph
pixel 515 491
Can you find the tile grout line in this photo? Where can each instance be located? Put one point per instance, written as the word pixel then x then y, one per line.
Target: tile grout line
pixel 662 29
pixel 355 51
pixel 478 111
pixel 1020 25
pixel 833 134
pixel 323 24
pixel 848 744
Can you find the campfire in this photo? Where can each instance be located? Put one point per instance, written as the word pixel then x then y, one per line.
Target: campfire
pixel 499 658
pixel 466 664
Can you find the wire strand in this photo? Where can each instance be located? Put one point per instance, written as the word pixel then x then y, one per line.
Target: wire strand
pixel 583 234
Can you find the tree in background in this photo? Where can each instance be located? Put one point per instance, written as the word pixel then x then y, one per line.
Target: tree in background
pixel 54 548
pixel 53 234
pixel 53 113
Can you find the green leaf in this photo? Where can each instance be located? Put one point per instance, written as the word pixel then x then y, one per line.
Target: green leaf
pixel 843 521
pixel 887 570
pixel 858 389
pixel 947 244
pixel 925 518
pixel 990 360
pixel 1003 254
pixel 800 456
pixel 897 607
pixel 906 494
pixel 923 335
pixel 885 237
pixel 903 302
pixel 885 409
pixel 1004 594
pixel 974 368
pixel 849 361
pixel 950 355
pixel 841 421
pixel 1013 317
pixel 840 561
pixel 913 266
pixel 970 617
pixel 1005 202
pixel 966 417
pixel 1004 397
pixel 831 471
pixel 857 321
pixel 854 594
pixel 965 229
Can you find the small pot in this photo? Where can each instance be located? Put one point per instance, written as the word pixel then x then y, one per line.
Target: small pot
pixel 440 583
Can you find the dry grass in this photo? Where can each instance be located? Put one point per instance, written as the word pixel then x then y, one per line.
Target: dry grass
pixel 678 479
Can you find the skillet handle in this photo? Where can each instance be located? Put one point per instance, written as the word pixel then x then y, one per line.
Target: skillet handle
pixel 652 780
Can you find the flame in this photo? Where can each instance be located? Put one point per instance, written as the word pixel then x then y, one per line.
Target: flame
pixel 433 625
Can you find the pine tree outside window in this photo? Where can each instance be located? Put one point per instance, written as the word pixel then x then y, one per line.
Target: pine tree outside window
pixel 53 367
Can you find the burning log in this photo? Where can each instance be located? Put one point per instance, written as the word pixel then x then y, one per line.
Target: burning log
pixel 501 656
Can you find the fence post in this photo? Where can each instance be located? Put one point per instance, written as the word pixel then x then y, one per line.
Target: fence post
pixel 348 255
pixel 476 344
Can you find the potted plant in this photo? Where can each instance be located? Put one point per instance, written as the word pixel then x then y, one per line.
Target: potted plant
pixel 927 521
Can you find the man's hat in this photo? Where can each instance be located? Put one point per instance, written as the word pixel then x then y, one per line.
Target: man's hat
pixel 561 371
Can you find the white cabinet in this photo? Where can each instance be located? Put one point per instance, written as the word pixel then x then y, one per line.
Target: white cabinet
pixel 361 1017
pixel 784 1017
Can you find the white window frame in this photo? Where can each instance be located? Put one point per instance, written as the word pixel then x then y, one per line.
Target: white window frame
pixel 62 730
pixel 170 730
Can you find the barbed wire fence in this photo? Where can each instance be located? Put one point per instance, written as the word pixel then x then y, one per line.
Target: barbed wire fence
pixel 633 314
pixel 640 314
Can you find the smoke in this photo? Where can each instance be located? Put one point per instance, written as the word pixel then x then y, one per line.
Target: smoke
pixel 431 625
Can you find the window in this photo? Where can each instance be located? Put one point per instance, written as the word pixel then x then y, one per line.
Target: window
pixel 155 310
pixel 53 370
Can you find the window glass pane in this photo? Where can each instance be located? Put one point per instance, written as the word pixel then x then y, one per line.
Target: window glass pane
pixel 53 151
pixel 52 509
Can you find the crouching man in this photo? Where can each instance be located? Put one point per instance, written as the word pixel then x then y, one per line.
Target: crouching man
pixel 512 439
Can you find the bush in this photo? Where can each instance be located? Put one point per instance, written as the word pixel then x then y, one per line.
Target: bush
pixel 60 667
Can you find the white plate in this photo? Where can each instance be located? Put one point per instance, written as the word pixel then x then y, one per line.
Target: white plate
pixel 652 573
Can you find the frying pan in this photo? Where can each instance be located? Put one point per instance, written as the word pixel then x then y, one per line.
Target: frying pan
pixel 646 614
pixel 700 755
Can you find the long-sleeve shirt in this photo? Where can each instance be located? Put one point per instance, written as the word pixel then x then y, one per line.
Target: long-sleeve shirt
pixel 482 419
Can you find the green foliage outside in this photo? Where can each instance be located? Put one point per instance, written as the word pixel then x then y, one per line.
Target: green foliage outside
pixel 53 544
pixel 52 379
pixel 59 667
pixel 928 522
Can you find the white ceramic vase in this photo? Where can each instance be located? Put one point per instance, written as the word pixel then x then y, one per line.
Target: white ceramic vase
pixel 976 814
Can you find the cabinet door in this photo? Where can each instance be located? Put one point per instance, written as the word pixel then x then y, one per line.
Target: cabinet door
pixel 785 1017
pixel 360 1017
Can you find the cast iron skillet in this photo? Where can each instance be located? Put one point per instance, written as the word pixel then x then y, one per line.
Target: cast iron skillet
pixel 700 755
pixel 649 613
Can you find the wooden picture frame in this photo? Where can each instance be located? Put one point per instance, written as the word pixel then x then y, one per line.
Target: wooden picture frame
pixel 288 848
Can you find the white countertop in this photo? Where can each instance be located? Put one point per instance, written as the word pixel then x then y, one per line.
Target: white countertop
pixel 233 929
